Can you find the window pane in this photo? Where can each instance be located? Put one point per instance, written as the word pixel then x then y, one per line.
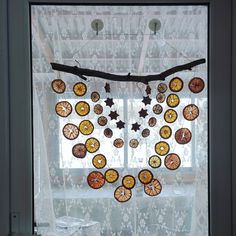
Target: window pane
pixel 127 41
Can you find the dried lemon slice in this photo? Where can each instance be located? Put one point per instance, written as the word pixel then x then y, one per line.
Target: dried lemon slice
pixel 154 161
pixel 191 112
pixel 111 175
pixel 80 89
pixel 63 108
pixel 58 86
pixel 86 127
pixel 82 108
pixel 96 179
pixel 172 161
pixel 173 100
pixel 79 150
pixel 99 161
pixel 122 194
pixel 153 188
pixel 92 145
pixel 128 181
pixel 162 148
pixel 176 84
pixel 170 116
pixel 165 131
pixel 145 176
pixel 70 131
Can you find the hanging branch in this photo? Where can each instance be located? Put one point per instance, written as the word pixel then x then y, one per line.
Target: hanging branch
pixel 82 72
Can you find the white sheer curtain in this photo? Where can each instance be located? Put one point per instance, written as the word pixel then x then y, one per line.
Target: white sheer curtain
pixel 63 34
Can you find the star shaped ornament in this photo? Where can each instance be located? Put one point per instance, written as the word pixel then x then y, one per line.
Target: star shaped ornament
pixel 135 127
pixel 113 115
pixel 120 124
pixel 109 102
pixel 148 90
pixel 143 113
pixel 146 100
pixel 107 88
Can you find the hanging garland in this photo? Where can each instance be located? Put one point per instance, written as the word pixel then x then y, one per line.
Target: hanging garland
pixel 172 161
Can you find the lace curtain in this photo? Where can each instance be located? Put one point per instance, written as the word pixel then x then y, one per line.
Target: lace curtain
pixel 64 203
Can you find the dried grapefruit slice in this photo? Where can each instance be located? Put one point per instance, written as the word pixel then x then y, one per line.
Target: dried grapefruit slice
pixel 196 85
pixel 122 194
pixel 99 161
pixel 86 127
pixel 80 89
pixel 172 161
pixel 145 176
pixel 111 175
pixel 96 179
pixel 183 136
pixel 162 148
pixel 153 188
pixel 58 86
pixel 63 108
pixel 92 145
pixel 191 112
pixel 70 131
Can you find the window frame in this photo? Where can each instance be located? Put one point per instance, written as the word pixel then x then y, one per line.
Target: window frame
pixel 16 141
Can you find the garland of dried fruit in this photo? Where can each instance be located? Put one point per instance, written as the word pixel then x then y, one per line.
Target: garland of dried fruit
pixel 172 161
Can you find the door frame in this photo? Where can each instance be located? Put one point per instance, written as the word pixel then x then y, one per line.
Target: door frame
pixel 16 177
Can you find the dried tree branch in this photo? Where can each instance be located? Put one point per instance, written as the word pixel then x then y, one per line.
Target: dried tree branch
pixel 82 72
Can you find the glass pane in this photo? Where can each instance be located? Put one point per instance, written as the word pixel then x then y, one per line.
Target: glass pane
pixel 164 132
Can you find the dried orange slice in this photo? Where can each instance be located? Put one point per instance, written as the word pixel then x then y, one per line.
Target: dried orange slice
pixel 86 127
pixel 58 86
pixel 191 112
pixel 118 143
pixel 157 109
pixel 70 131
pixel 133 143
pixel 98 109
pixel 122 194
pixel 99 161
pixel 102 120
pixel 111 175
pixel 196 85
pixel 154 161
pixel 160 97
pixel 96 179
pixel 108 132
pixel 172 100
pixel 162 88
pixel 145 133
pixel 95 96
pixel 79 150
pixel 162 148
pixel 152 121
pixel 128 181
pixel 80 89
pixel 176 84
pixel 92 145
pixel 165 131
pixel 82 108
pixel 63 108
pixel 172 161
pixel 145 176
pixel 170 116
pixel 153 188
pixel 183 136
